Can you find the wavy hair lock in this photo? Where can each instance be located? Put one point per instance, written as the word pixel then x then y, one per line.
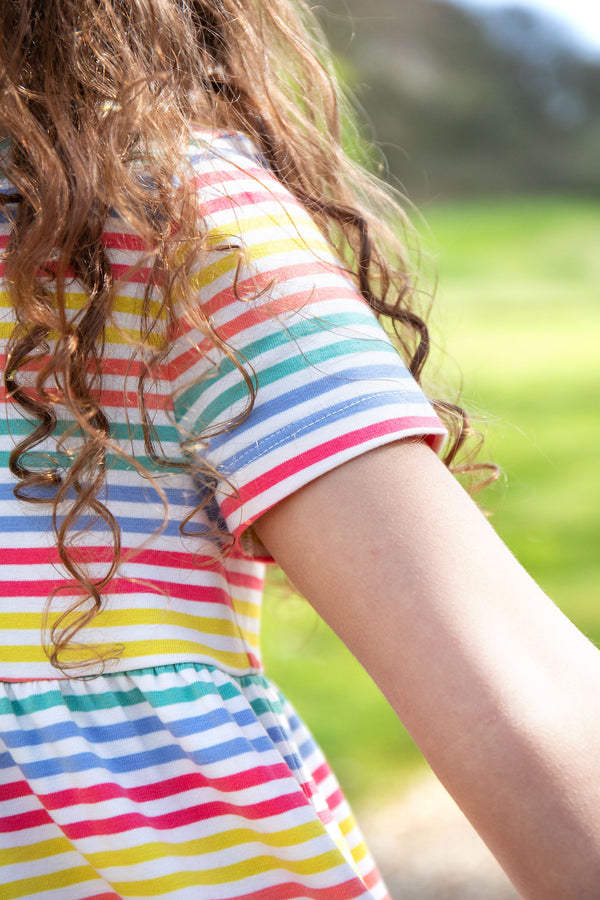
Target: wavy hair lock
pixel 95 92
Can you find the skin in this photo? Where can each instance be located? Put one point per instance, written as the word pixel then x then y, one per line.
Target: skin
pixel 500 691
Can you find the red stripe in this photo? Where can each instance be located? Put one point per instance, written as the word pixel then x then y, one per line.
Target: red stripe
pixel 14 790
pixel 180 818
pixel 111 366
pixel 372 877
pixel 137 276
pixel 240 579
pixel 106 896
pixel 231 173
pixel 119 240
pixel 33 819
pixel 121 586
pixel 273 310
pixel 239 199
pixel 268 309
pixel 316 454
pixel 292 890
pixel 146 793
pixel 160 558
pixel 183 363
pixel 250 286
pixel 335 799
pixel 118 399
pixel 321 773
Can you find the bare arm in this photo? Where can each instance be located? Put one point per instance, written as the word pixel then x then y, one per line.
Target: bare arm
pixel 500 691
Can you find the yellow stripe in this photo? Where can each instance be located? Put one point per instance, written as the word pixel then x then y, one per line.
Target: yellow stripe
pixel 235 872
pixel 246 608
pixel 277 220
pixel 51 881
pixel 10 856
pixel 122 303
pixel 34 654
pixel 359 852
pixel 254 253
pixel 211 844
pixel 347 825
pixel 131 336
pixel 120 336
pixel 136 617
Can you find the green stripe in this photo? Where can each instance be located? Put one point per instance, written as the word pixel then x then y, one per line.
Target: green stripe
pixel 302 360
pixel 238 392
pixel 19 427
pixel 261 706
pixel 157 698
pixel 73 702
pixel 286 335
pixel 43 461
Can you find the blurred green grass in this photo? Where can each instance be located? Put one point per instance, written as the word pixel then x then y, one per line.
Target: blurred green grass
pixel 518 317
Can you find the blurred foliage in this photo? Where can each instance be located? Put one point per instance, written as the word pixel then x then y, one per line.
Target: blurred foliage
pixel 462 103
pixel 519 312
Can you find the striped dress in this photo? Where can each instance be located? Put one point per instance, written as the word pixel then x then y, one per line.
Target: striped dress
pixel 182 772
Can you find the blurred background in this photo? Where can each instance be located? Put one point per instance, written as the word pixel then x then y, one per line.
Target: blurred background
pixel 486 115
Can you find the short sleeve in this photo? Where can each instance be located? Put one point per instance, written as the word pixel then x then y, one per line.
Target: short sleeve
pixel 329 384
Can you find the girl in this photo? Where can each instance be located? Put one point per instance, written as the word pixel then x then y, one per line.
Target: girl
pixel 195 383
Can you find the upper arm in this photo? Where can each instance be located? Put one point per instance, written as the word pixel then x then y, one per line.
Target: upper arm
pixel 497 687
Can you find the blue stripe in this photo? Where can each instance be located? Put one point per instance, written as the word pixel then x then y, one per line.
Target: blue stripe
pixel 82 762
pixel 214 719
pixel 128 525
pixel 307 747
pixel 286 338
pixel 114 493
pixel 357 376
pixel 317 419
pixel 6 761
pixel 102 734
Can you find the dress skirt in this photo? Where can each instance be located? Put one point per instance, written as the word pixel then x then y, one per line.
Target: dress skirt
pixel 180 781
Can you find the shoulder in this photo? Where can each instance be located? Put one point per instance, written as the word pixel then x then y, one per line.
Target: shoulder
pixel 225 160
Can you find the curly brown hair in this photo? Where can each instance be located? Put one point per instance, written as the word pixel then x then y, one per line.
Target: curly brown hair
pixel 96 92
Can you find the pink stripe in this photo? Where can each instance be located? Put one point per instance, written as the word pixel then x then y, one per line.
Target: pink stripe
pixel 111 366
pixel 122 586
pixel 118 240
pixel 32 819
pixel 194 781
pixel 371 878
pixel 240 199
pixel 170 558
pixel 107 895
pixel 321 773
pixel 231 173
pixel 250 286
pixel 187 816
pixel 14 790
pixel 114 399
pixel 183 363
pixel 315 455
pixel 335 799
pixel 291 890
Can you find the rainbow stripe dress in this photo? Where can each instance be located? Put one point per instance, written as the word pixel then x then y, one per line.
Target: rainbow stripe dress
pixel 181 772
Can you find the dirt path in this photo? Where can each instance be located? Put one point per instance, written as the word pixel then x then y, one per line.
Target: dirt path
pixel 427 850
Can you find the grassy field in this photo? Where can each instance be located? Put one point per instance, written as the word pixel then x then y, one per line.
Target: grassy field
pixel 517 323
